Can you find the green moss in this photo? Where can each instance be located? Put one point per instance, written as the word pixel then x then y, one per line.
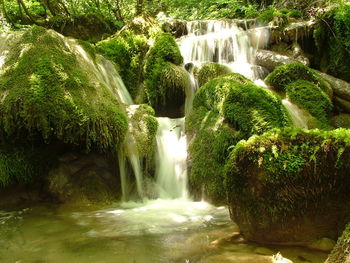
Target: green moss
pixel 310 97
pixel 333 40
pixel 144 129
pixel 286 74
pixel 22 164
pixel 45 92
pixel 283 172
pixel 164 79
pixel 219 120
pixel 128 51
pixel 254 110
pixel 209 71
pixel 208 152
pixel 212 94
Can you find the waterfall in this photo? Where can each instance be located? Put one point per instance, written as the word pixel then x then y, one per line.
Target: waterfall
pixel 298 116
pixel 221 41
pixel 171 167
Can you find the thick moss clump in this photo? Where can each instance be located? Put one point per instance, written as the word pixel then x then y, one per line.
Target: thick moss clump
pixel 225 110
pixel 165 81
pixel 310 97
pixel 286 74
pixel 209 71
pixel 333 41
pixel 290 179
pixel 128 51
pixel 46 92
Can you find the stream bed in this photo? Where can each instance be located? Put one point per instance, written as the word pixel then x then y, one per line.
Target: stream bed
pixel 153 231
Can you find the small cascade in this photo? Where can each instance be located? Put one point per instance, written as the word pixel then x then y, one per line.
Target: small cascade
pixel 171 167
pixel 298 116
pixel 190 91
pixel 220 41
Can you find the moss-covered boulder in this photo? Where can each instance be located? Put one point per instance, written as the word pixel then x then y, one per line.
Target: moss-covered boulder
pixel 341 251
pixel 311 98
pixel 286 74
pixel 225 110
pixel 47 91
pixel 165 80
pixel 56 96
pixel 290 186
pixel 210 71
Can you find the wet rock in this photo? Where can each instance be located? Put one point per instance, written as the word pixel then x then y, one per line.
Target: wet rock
pixel 323 244
pixel 86 178
pixel 229 257
pixel 341 121
pixel 293 32
pixel 271 60
pixel 340 87
pixel 342 104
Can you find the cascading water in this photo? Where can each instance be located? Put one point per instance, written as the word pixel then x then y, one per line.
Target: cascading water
pixel 171 168
pixel 223 42
pixel 298 116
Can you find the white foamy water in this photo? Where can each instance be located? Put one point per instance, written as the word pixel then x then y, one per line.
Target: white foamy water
pixel 171 166
pixel 224 42
pixel 298 116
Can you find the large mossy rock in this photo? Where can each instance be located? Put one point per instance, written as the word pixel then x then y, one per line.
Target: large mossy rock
pixel 286 74
pixel 47 91
pixel 56 95
pixel 311 98
pixel 341 251
pixel 225 110
pixel 290 186
pixel 165 80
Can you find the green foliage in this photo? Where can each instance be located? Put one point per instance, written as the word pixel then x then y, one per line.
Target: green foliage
pixel 22 164
pixel 332 37
pixel 47 93
pixel 310 97
pixel 209 9
pixel 209 71
pixel 128 51
pixel 164 79
pixel 282 172
pixel 283 75
pixel 278 17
